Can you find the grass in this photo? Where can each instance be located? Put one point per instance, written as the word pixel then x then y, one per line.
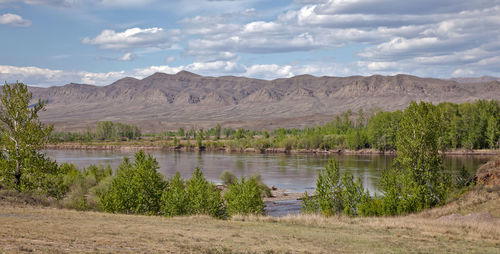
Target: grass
pixel 28 228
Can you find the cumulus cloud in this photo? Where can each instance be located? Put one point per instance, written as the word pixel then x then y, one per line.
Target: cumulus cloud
pixel 419 35
pixel 14 20
pixel 134 38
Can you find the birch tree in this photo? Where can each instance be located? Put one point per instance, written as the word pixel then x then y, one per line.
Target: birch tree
pixel 22 135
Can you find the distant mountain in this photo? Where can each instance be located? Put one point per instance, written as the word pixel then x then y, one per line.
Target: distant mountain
pixel 476 80
pixel 164 101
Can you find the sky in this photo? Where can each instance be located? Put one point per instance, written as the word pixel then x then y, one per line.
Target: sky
pixel 55 42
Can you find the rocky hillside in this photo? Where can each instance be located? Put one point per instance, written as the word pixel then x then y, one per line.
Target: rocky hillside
pixel 163 101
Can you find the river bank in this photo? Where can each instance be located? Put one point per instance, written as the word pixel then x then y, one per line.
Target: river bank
pixel 159 146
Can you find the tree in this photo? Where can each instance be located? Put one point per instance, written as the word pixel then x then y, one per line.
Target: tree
pixel 137 187
pixel 417 181
pixel 218 131
pixel 244 197
pixel 492 132
pixel 22 135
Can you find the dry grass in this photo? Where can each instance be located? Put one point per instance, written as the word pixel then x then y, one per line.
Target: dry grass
pixel 39 229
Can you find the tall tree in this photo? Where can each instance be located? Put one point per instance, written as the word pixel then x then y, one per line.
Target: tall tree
pixel 22 135
pixel 421 182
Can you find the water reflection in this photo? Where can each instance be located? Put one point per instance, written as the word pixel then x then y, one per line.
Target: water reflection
pixel 294 172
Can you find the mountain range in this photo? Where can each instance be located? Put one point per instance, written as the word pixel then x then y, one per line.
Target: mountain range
pixel 168 101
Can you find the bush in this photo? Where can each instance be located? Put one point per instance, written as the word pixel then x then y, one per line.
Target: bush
pixel 309 204
pixel 228 178
pixel 244 197
pixel 203 197
pixel 370 206
pixel 174 200
pixel 137 188
pixel 334 194
pixel 352 194
pixel 464 178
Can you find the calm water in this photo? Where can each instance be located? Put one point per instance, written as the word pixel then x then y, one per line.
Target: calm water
pixel 293 172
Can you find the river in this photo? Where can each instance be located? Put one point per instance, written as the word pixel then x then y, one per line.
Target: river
pixel 293 172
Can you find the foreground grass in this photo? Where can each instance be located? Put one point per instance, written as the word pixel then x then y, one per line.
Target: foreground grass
pixel 41 229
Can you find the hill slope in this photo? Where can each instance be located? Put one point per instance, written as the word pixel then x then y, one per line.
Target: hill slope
pixel 164 101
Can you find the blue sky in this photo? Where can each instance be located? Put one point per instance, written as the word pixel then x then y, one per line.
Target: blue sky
pixel 55 42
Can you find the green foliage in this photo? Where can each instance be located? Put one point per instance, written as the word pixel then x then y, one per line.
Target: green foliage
pixel 463 179
pixel 417 180
pixel 104 131
pixel 370 206
pixel 22 135
pixel 137 188
pixel 264 189
pixel 227 177
pixel 244 197
pixel 309 204
pixel 334 194
pixel 174 200
pixel 203 196
pixel 352 193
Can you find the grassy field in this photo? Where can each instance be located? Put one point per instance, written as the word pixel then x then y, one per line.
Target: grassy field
pixel 28 228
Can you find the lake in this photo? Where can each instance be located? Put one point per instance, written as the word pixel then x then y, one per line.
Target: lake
pixel 294 172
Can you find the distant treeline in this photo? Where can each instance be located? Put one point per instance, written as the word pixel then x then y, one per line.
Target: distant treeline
pixel 104 131
pixel 468 125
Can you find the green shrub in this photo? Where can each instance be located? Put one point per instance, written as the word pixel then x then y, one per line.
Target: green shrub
pixel 174 200
pixel 370 206
pixel 137 188
pixel 334 194
pixel 244 197
pixel 464 178
pixel 228 178
pixel 328 190
pixel 204 197
pixel 309 204
pixel 352 193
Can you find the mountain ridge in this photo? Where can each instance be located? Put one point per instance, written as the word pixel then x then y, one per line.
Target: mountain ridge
pixel 168 101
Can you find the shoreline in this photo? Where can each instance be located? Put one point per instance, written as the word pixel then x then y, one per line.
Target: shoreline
pixel 137 147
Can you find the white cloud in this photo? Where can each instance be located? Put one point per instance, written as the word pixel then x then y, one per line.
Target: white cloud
pixel 269 71
pixel 35 76
pixel 127 57
pixel 14 20
pixel 144 72
pixel 134 38
pixel 104 78
pixel 463 73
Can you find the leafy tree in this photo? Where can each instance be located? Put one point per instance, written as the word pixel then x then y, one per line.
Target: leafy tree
pixel 218 131
pixel 22 135
pixel 174 200
pixel 492 132
pixel 137 187
pixel 203 197
pixel 335 194
pixel 244 197
pixel 418 180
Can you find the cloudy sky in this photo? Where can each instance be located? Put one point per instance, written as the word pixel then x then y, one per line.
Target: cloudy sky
pixel 55 42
